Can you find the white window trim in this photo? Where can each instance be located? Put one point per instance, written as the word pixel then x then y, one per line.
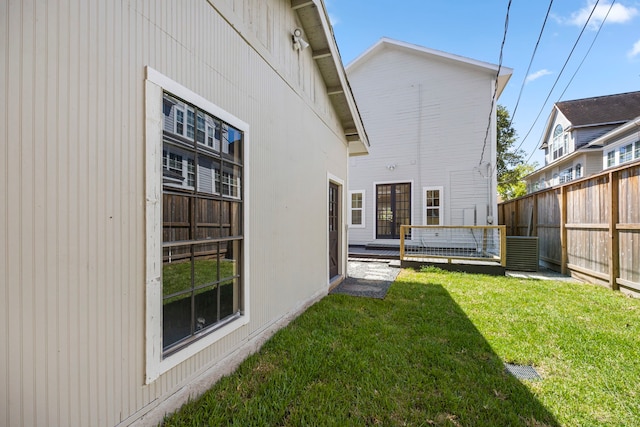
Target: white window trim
pixel 424 203
pixel 362 209
pixel 155 84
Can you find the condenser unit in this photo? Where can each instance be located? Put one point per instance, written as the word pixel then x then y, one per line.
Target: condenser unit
pixel 522 253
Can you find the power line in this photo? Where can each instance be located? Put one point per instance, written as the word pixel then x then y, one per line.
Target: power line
pixel 559 74
pixel 495 90
pixel 524 81
pixel 581 62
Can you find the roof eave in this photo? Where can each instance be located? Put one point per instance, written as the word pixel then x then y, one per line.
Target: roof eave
pixel 314 20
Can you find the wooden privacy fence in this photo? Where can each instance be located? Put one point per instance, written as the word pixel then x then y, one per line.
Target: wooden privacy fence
pixel 588 228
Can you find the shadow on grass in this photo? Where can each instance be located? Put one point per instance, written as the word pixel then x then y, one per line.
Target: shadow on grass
pixel 413 358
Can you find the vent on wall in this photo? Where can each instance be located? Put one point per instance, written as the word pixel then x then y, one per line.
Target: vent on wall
pixel 522 253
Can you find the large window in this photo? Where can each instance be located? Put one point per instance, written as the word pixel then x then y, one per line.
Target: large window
pixel 196 283
pixel 356 209
pixel 393 209
pixel 433 205
pixel 202 226
pixel 626 153
pixel 566 175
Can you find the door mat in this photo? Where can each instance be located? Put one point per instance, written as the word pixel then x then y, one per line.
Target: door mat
pixel 362 288
pixel 522 372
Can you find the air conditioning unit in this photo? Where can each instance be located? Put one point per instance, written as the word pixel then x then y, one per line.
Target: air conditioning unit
pixel 522 253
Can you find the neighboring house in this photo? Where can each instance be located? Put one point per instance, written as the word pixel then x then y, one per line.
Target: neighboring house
pixel 431 120
pixel 580 132
pixel 173 191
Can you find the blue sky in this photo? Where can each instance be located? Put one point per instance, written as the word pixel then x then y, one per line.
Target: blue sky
pixel 475 29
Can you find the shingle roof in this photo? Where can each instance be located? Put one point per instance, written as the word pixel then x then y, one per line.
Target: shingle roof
pixel 601 109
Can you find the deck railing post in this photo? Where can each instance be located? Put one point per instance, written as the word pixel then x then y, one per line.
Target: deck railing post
pixel 614 246
pixel 402 232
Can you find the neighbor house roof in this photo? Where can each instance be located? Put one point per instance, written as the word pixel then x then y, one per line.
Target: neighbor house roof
pixel 598 110
pixel 387 43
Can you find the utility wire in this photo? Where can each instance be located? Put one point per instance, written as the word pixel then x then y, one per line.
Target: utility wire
pixel 524 81
pixel 581 62
pixel 559 74
pixel 495 90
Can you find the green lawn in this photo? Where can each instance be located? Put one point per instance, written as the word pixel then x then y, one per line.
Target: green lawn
pixel 432 353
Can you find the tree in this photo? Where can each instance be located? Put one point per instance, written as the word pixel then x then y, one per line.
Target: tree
pixel 511 166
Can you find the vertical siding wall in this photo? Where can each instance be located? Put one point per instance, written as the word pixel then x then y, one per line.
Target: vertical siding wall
pixel 72 295
pixel 428 117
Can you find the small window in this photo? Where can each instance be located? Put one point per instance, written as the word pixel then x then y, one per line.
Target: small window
pixel 636 152
pixel 356 209
pixel 559 143
pixel 579 170
pixel 433 206
pixel 611 158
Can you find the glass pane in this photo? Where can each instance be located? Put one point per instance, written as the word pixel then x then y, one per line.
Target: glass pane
pixel 205 264
pixel 201 128
pixel 175 218
pixel 231 181
pixel 235 218
pixel 356 200
pixel 208 219
pixel 208 172
pixel 231 143
pixel 356 217
pixel 229 259
pixel 228 298
pixel 176 290
pixel 206 307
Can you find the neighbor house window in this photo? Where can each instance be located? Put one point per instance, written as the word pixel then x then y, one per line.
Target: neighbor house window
pixel 433 205
pixel 559 143
pixel 198 292
pixel 626 153
pixel 611 158
pixel 636 152
pixel 566 175
pixel 356 209
pixel 578 171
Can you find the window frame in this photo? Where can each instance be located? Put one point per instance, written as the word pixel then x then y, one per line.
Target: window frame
pixel 155 85
pixel 440 207
pixel 361 209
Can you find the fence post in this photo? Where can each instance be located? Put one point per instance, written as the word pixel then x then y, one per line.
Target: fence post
pixel 614 246
pixel 563 229
pixel 503 245
pixel 402 228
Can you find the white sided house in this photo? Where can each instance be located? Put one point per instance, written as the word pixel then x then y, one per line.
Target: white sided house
pixel 431 120
pixel 173 191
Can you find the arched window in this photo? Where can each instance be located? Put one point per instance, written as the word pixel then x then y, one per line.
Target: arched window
pixel 578 170
pixel 558 144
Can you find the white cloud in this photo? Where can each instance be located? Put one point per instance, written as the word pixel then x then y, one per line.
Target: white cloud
pixel 635 50
pixel 333 19
pixel 534 76
pixel 619 14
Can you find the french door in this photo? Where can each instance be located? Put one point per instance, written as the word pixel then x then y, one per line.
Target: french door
pixel 393 209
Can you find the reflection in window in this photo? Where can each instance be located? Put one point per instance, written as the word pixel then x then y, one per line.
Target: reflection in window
pixel 611 158
pixel 202 227
pixel 626 153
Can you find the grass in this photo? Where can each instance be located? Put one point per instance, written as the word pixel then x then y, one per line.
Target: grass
pixel 432 353
pixel 176 276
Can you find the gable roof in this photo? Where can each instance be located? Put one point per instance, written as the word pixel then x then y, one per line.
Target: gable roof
pixel 599 110
pixel 387 43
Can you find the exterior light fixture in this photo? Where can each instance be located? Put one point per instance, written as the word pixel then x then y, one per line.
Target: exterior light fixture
pixel 298 42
